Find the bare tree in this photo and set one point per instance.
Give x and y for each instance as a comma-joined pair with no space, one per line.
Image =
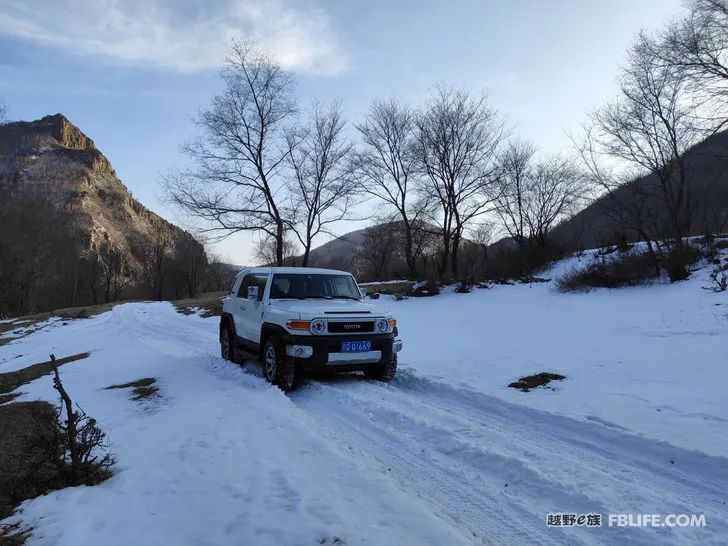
696,46
322,187
378,247
266,249
3,111
457,140
651,126
554,193
516,178
92,273
236,183
158,261
387,168
115,271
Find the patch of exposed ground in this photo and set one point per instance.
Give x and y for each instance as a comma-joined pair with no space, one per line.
528,382
206,305
141,388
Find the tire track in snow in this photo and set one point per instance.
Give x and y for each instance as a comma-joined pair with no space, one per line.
456,448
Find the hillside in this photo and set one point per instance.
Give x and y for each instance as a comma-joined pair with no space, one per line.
58,190
707,168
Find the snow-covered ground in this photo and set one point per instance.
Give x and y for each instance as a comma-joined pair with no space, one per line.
446,454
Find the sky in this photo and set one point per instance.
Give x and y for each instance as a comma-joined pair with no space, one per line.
133,73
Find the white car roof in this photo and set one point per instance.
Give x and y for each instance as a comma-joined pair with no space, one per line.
295,270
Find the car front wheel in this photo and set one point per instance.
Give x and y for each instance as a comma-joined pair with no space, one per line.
227,345
383,372
278,367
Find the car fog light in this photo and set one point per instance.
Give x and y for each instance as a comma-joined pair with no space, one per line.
299,351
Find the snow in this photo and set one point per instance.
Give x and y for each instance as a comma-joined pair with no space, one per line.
446,454
649,359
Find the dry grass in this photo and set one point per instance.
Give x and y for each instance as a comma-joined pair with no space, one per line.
141,388
209,303
12,380
26,471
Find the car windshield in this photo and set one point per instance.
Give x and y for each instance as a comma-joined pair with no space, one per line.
302,286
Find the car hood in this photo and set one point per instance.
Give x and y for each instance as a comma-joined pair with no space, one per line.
329,308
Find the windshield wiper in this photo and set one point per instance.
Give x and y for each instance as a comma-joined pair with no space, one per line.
344,297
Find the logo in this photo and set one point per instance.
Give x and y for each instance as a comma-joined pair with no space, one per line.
352,326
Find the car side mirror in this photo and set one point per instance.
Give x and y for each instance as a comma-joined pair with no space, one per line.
253,293
363,292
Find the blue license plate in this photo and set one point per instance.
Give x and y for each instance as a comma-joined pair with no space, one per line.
356,346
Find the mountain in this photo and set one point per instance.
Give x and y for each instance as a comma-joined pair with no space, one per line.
60,198
53,157
340,252
707,169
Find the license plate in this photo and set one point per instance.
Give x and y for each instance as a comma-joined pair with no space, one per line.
356,346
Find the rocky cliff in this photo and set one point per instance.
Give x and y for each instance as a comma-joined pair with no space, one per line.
52,159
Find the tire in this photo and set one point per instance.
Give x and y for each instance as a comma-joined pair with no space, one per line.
278,368
227,345
383,372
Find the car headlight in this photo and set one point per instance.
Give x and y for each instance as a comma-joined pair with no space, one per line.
318,326
382,325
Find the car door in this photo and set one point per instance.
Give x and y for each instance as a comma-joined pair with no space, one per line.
248,312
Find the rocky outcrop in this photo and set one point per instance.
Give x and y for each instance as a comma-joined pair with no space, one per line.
51,158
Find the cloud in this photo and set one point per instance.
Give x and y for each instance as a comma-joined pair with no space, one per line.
186,36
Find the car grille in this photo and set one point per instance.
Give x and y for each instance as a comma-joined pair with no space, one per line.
353,327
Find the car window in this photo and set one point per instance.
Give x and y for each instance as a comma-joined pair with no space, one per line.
299,285
254,279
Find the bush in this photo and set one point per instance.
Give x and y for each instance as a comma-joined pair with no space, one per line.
677,261
626,270
464,287
719,279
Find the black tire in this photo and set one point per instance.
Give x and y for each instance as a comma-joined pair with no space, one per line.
278,368
228,350
383,372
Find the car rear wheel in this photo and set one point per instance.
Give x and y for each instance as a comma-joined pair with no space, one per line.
383,372
278,368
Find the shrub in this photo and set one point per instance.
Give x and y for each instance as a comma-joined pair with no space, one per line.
677,261
463,287
626,270
719,279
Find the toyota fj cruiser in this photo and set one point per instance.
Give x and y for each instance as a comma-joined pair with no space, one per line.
296,319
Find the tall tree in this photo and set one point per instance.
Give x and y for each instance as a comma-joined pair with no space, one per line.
516,177
321,187
386,165
696,46
647,130
235,182
457,141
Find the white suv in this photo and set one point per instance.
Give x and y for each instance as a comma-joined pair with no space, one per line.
296,319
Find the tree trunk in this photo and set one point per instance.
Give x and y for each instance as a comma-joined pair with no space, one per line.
454,255
411,266
279,244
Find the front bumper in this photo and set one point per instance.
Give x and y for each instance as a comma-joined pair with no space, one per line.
324,352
